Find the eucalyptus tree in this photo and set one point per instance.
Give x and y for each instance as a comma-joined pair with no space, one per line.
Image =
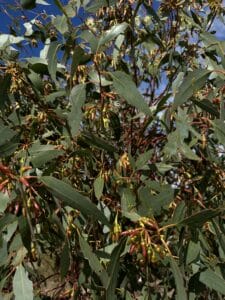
112,150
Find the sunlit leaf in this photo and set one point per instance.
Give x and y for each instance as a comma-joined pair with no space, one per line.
22,285
127,89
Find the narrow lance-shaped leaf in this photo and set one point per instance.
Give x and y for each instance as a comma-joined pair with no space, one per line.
180,287
191,84
127,89
98,186
74,199
93,261
22,285
113,269
112,33
77,99
213,281
52,59
65,260
201,217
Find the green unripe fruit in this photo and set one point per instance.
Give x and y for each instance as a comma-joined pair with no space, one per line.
28,4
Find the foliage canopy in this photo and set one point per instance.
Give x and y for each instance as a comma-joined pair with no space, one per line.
112,141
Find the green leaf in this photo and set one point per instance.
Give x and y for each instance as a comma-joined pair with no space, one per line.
191,84
98,186
52,59
198,219
162,167
179,281
74,199
4,200
22,285
127,89
65,260
213,281
8,39
93,261
77,99
95,141
154,198
113,270
212,43
193,251
79,57
7,219
60,22
90,38
143,159
128,201
112,33
219,130
41,154
92,7
206,105
5,82
25,232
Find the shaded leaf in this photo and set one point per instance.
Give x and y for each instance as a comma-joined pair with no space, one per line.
179,281
198,219
25,232
41,154
74,199
95,141
152,200
93,261
213,281
65,260
113,270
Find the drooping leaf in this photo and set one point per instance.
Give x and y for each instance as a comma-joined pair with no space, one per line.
69,196
127,89
93,261
53,59
25,232
113,270
77,99
179,281
22,285
65,260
